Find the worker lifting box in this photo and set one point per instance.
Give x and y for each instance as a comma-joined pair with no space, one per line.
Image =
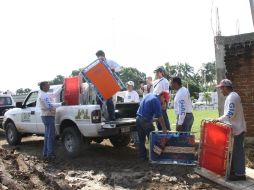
106,82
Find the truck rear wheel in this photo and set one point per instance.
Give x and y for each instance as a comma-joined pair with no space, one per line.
120,140
72,141
13,137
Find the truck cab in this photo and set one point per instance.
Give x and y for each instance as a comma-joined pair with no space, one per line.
77,125
6,103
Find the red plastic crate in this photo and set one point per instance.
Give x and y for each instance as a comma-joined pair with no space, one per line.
103,80
215,145
72,90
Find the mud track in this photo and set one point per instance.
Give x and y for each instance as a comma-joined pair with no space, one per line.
99,167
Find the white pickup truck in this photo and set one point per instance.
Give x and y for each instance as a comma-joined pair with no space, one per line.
77,125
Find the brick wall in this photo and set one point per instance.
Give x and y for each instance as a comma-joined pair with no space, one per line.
239,62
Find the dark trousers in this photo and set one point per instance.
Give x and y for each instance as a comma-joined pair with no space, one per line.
166,120
187,123
110,108
144,128
238,157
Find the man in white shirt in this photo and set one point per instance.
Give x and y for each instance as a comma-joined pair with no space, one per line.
161,85
48,110
182,106
114,68
233,114
130,94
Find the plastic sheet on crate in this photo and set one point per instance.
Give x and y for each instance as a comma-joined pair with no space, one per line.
172,148
103,80
214,147
72,90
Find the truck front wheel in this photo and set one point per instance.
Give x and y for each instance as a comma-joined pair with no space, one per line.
13,137
120,140
72,141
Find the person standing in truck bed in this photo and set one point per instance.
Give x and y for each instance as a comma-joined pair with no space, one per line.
114,68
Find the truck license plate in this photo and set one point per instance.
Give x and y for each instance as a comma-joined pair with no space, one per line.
125,129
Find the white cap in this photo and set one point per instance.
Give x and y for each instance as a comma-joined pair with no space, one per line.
131,83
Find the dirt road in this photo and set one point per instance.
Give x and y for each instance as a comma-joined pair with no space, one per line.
99,167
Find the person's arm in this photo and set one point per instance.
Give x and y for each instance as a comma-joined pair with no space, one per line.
136,98
162,123
45,100
181,111
115,67
229,111
56,93
158,114
166,85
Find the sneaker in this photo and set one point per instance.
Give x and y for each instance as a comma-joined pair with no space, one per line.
237,178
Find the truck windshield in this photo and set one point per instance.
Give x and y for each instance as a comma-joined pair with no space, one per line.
5,101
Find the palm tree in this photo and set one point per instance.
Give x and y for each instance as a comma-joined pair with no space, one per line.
207,97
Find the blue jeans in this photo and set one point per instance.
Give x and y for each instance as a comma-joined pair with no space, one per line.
238,157
166,120
49,136
144,128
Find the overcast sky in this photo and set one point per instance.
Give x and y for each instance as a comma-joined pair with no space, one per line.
40,39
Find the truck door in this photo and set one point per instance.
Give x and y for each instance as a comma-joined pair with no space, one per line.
27,116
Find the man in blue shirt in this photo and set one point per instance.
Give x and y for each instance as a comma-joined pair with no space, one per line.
150,107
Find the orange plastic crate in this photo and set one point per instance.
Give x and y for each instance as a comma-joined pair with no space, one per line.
72,90
103,80
215,145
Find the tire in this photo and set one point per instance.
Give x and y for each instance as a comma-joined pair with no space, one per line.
72,141
13,137
120,140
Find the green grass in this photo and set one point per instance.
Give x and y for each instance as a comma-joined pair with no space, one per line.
199,115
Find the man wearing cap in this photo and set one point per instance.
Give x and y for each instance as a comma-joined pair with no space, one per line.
150,108
160,85
233,114
182,106
130,95
114,68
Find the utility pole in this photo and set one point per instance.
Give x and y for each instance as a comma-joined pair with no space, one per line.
252,10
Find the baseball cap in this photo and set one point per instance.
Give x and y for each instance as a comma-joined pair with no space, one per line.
224,82
131,83
159,69
166,95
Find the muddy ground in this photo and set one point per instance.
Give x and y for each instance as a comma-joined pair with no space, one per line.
99,167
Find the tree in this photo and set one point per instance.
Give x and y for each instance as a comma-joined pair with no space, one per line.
75,72
59,79
23,91
207,97
129,73
27,90
186,72
20,91
208,74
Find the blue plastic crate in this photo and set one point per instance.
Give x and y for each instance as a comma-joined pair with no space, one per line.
179,149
